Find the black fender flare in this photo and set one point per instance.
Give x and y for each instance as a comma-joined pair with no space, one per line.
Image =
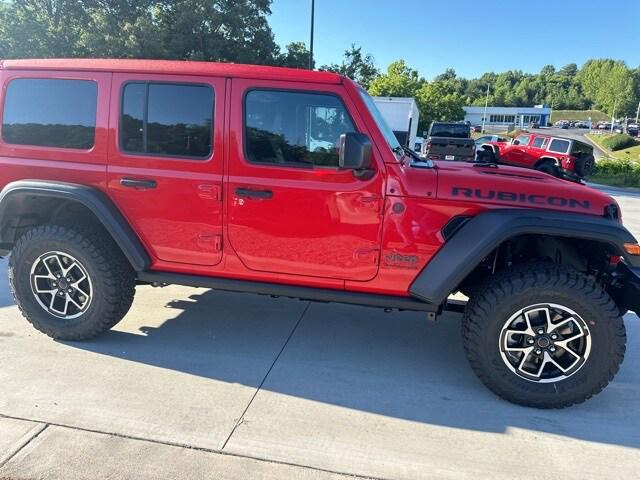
480,235
92,198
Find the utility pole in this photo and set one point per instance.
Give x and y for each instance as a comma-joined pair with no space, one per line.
313,11
613,117
486,105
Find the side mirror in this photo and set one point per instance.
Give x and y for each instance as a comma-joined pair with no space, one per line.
354,152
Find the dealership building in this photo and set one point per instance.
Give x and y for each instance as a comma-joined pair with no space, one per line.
520,116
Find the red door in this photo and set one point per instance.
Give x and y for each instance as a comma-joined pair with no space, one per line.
518,154
166,163
290,208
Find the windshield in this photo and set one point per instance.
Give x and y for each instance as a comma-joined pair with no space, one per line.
380,121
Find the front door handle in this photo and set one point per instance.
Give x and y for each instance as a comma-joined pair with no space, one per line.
138,183
247,192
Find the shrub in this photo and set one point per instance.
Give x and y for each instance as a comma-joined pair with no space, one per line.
619,142
623,172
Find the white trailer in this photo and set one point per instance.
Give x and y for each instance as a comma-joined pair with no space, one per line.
402,115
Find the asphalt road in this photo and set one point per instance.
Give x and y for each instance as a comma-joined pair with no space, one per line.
275,388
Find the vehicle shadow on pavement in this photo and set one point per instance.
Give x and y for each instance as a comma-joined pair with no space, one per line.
393,364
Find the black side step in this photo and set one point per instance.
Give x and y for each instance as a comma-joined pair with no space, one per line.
292,291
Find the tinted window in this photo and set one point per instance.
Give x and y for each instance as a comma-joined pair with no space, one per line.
165,119
580,148
450,130
539,142
294,128
559,146
50,113
522,140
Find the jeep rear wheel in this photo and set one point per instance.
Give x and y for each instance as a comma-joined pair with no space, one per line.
70,284
544,336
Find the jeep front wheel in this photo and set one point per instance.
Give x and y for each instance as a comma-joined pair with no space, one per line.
70,284
544,336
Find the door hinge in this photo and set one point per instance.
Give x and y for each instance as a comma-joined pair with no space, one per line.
210,192
206,240
366,255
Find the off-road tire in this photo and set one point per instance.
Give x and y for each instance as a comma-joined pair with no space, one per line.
540,283
548,166
111,274
585,165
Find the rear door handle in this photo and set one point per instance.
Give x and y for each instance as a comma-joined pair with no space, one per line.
247,192
138,183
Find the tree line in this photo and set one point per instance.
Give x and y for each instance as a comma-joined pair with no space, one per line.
239,31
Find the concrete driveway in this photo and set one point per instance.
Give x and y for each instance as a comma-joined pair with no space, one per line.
257,387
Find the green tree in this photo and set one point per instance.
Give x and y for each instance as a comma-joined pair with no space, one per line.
437,102
296,56
356,66
398,81
221,30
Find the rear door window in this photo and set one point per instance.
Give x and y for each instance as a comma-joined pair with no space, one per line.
294,128
539,142
162,119
50,113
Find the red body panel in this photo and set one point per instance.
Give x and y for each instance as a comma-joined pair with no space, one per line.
529,156
323,227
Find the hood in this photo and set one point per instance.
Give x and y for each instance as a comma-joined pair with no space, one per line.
501,186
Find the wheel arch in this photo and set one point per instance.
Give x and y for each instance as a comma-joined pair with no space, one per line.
482,235
545,160
28,203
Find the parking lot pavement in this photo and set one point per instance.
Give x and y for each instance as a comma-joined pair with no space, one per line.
269,386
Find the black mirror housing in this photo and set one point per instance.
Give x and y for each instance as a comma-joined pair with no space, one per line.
354,151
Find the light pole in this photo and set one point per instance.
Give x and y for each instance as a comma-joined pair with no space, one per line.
486,105
313,11
613,117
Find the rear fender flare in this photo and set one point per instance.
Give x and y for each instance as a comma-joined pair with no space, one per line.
97,202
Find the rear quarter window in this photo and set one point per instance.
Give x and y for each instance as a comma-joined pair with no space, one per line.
558,145
50,113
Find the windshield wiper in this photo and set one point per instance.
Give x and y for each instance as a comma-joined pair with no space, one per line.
404,150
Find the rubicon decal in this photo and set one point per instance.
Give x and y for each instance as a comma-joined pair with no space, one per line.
524,198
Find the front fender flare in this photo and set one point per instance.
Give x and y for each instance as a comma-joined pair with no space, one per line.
93,199
478,237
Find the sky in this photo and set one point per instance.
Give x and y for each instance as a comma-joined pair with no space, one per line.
471,37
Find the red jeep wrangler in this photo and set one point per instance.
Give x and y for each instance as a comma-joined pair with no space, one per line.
558,156
289,182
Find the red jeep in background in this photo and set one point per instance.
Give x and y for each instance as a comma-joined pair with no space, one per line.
556,156
119,173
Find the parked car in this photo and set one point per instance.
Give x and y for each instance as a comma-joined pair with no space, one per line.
285,182
558,156
450,141
485,139
633,130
